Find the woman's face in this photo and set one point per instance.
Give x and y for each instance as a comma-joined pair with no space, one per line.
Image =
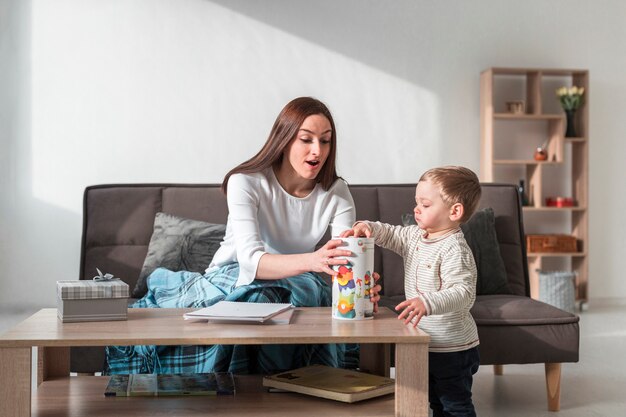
308,151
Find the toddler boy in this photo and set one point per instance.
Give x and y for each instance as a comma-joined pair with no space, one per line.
439,281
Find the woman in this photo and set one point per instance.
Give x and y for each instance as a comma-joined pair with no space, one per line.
280,202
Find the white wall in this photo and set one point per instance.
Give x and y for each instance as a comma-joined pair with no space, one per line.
96,91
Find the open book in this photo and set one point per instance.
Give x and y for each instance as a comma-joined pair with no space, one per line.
332,383
243,312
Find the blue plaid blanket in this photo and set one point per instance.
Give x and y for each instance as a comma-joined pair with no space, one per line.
167,289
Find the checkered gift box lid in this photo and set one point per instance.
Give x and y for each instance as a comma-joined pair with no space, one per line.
88,289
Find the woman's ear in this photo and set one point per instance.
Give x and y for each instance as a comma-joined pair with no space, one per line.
456,212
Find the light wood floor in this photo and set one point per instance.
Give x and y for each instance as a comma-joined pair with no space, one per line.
596,386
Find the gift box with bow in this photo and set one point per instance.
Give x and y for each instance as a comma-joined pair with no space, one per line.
101,299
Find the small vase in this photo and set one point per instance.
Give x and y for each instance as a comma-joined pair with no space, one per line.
540,154
570,132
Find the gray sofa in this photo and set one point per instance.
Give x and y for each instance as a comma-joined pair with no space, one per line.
513,328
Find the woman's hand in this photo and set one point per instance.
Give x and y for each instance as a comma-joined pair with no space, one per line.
374,292
358,230
412,308
324,258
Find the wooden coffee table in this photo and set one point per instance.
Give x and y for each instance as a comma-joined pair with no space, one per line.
57,393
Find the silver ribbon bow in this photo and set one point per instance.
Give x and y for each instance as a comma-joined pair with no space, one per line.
104,277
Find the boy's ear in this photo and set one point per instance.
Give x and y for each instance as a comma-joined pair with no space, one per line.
456,212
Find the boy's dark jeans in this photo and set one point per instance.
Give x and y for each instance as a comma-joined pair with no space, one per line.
450,382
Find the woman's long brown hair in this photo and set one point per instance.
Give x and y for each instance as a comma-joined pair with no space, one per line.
285,129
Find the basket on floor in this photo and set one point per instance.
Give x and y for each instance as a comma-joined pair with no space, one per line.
558,288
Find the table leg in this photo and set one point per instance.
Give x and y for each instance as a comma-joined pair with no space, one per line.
52,362
375,358
411,379
15,381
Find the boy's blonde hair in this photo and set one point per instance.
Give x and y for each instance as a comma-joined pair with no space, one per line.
458,185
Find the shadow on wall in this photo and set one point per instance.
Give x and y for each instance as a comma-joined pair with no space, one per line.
37,239
42,239
382,35
435,48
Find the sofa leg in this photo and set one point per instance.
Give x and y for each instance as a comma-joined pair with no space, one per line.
498,369
553,385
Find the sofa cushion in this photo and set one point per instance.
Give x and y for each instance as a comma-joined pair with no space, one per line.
506,204
518,329
179,244
515,310
480,234
505,310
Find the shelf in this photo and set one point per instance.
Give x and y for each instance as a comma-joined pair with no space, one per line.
545,208
523,162
84,395
554,254
544,71
512,116
564,72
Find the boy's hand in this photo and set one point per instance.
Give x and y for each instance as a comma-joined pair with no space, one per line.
358,230
412,308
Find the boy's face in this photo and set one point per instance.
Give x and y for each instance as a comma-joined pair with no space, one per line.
431,213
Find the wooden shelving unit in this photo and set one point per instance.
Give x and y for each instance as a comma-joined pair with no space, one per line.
508,142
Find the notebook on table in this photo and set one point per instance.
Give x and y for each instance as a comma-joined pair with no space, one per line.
244,312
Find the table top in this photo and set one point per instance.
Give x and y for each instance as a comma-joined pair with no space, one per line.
166,326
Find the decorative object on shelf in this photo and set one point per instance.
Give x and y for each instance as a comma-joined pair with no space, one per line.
570,131
521,188
559,202
540,153
551,244
515,107
571,99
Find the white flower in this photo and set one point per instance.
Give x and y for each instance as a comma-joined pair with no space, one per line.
571,98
